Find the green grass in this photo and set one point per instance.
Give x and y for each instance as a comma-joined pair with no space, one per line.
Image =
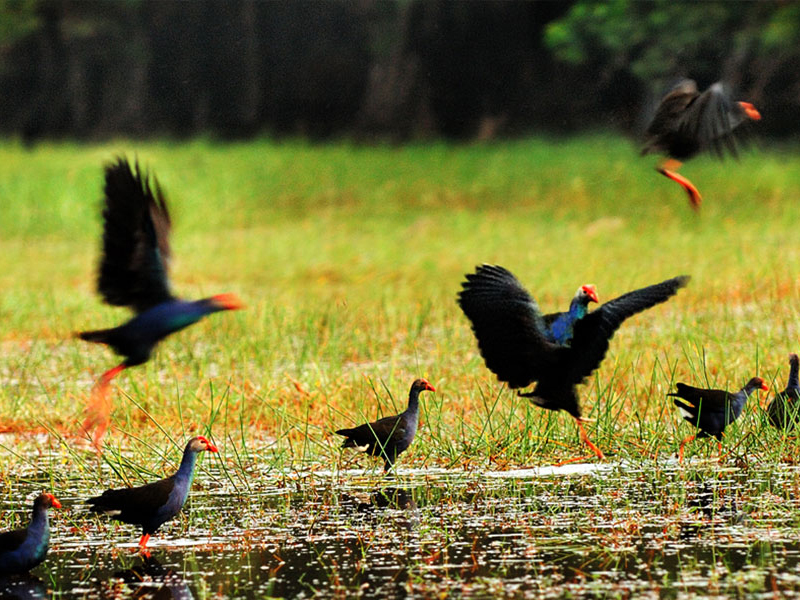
349,258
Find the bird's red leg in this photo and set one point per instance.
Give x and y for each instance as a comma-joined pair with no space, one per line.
694,195
685,441
143,545
587,441
97,414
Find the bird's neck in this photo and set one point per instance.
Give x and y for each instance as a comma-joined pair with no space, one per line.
413,403
794,375
40,526
186,469
561,329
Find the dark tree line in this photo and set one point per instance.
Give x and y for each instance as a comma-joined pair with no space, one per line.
372,68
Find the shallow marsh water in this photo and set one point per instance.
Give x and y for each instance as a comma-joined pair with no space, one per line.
607,530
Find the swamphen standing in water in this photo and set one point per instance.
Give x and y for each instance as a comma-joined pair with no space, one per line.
687,122
711,411
23,549
782,410
390,436
521,346
153,504
133,273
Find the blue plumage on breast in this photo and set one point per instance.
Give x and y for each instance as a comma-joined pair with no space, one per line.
31,551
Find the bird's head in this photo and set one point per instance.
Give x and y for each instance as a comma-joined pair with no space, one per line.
756,383
200,444
226,302
793,360
586,293
422,385
45,500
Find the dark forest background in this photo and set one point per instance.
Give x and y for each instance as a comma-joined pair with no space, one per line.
371,69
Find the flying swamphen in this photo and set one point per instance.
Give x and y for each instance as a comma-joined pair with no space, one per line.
390,436
153,504
782,410
519,345
23,549
133,273
687,122
711,411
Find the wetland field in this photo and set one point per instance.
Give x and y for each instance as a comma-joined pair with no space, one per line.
349,259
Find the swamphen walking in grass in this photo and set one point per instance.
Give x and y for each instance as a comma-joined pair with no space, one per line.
687,122
390,436
521,346
711,411
23,549
133,273
783,409
153,504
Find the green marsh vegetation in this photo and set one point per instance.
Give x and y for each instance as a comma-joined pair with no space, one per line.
349,258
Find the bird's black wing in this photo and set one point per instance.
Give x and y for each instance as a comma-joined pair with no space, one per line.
379,430
11,540
508,326
700,398
592,333
134,505
133,267
711,119
669,112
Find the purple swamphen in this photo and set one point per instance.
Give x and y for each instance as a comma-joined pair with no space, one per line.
133,272
23,549
153,504
711,411
388,437
687,122
518,343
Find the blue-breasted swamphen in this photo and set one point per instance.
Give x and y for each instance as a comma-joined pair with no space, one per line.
516,340
388,437
687,122
153,504
559,326
783,409
133,273
23,549
711,411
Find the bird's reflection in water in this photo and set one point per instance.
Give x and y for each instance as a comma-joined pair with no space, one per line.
151,579
392,497
22,587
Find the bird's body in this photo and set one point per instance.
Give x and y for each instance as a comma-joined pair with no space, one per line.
133,272
518,346
389,437
688,122
783,409
711,411
153,504
23,549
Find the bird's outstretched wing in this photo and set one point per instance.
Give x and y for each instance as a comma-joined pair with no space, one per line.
593,332
508,326
133,267
711,119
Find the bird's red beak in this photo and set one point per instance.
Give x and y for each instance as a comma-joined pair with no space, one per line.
429,387
750,111
764,385
54,501
591,291
211,447
228,301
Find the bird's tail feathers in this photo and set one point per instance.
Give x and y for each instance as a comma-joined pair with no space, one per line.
98,336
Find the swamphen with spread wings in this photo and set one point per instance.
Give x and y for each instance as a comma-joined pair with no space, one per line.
520,346
23,549
711,411
390,436
783,409
687,122
153,504
133,273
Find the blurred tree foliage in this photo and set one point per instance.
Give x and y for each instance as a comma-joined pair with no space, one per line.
372,68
